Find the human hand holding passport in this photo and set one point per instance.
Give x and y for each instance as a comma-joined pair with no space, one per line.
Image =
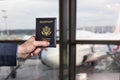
46,30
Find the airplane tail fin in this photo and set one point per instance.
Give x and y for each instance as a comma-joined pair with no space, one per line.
117,28
116,48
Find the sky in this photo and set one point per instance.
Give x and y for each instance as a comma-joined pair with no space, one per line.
97,12
21,14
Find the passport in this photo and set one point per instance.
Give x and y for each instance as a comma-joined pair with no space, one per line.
46,30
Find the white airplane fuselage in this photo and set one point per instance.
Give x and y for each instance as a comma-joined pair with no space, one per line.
51,56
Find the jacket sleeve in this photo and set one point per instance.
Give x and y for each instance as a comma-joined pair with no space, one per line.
8,53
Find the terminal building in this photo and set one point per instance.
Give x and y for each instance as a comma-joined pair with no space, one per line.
98,29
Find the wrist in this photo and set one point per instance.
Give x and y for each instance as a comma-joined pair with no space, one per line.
20,51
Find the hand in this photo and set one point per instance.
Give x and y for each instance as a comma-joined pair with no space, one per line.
30,48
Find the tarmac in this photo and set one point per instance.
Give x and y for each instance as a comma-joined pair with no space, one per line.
31,70
35,70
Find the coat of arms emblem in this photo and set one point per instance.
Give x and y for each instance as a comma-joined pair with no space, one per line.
46,31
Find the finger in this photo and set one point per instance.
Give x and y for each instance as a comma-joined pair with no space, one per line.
37,51
41,43
32,54
32,38
27,56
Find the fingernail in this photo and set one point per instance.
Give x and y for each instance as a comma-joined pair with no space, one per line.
48,43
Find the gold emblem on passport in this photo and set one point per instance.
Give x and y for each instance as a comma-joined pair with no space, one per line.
46,31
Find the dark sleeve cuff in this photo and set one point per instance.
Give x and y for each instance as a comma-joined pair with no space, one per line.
8,54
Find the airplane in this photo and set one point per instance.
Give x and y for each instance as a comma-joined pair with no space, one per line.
93,52
51,57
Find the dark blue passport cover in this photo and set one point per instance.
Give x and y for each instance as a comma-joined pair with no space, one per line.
46,30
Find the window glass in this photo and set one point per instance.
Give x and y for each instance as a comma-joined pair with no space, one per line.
98,17
18,17
97,20
18,22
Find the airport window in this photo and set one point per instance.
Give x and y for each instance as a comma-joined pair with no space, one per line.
97,50
17,24
92,19
17,17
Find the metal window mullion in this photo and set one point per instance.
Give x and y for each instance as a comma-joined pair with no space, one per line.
63,24
72,37
115,42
